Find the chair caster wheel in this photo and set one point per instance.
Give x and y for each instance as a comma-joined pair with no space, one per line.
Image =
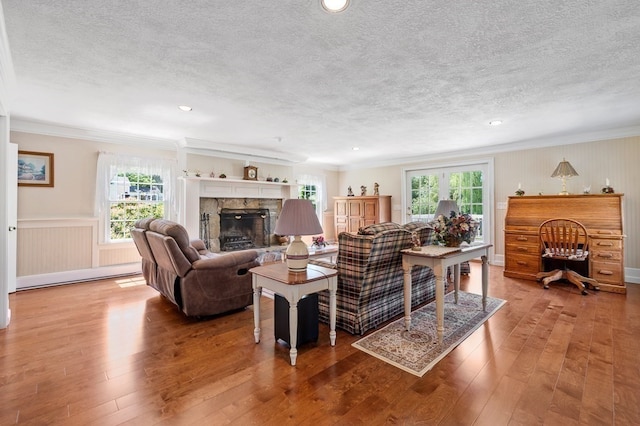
584,292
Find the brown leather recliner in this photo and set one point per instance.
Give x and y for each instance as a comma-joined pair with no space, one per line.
199,282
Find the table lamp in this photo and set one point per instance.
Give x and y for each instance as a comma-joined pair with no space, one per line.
297,218
563,171
445,207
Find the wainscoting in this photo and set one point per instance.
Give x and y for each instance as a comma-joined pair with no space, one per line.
61,250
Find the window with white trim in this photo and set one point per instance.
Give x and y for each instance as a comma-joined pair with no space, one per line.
131,188
312,188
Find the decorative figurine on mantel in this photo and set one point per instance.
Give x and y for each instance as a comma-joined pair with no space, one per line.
363,190
349,192
212,175
520,191
607,188
376,189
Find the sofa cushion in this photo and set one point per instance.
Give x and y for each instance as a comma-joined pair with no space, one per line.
377,228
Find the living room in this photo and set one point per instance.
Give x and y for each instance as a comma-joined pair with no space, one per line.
88,342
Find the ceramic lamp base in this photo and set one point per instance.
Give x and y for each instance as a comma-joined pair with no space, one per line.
297,255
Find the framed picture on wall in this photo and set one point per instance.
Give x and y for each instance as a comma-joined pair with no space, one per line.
35,168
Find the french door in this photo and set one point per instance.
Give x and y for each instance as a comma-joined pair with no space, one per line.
466,184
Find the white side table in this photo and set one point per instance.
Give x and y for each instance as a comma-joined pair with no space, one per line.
439,259
292,286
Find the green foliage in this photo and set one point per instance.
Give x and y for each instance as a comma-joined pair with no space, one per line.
125,213
424,194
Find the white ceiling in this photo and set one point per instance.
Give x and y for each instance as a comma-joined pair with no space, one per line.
397,78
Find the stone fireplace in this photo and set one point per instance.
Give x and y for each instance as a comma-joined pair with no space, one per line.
203,200
230,224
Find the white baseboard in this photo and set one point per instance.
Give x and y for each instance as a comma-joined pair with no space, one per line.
66,277
632,275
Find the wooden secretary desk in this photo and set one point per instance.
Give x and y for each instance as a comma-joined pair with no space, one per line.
601,214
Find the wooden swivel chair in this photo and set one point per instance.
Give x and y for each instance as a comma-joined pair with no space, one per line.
564,242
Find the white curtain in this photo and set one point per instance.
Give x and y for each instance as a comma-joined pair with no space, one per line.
320,183
110,164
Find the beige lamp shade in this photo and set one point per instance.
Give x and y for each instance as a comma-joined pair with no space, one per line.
297,218
563,171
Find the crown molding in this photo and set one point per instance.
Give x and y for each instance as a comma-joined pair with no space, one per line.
542,142
49,129
216,149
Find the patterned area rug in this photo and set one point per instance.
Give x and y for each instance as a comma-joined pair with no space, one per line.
418,350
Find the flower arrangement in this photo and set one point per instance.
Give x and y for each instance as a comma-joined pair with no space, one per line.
453,230
318,241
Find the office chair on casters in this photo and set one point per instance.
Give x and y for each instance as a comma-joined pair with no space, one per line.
564,242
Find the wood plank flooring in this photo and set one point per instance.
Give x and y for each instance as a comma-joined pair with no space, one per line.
115,352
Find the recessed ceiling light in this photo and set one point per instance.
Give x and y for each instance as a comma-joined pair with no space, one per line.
185,107
355,148
334,6
495,122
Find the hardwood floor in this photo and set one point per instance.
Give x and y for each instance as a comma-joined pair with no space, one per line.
114,352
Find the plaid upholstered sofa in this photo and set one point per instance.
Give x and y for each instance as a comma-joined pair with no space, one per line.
370,276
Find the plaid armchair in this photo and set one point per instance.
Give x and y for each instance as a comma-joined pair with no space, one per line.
370,278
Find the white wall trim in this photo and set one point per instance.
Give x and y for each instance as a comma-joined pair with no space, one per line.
557,140
632,275
80,275
57,130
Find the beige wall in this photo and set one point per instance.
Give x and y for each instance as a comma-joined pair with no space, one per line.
75,168
57,219
594,161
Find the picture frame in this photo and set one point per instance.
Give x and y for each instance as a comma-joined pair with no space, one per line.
35,169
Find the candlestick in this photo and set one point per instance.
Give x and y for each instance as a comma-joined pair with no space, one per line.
607,182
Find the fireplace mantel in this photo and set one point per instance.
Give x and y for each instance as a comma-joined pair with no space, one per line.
194,188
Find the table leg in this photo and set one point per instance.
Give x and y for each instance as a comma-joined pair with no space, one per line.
293,330
485,281
406,267
332,316
257,291
456,281
441,282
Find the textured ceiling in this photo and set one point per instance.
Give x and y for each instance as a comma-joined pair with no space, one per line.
397,78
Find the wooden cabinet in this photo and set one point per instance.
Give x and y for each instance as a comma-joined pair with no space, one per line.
352,213
601,214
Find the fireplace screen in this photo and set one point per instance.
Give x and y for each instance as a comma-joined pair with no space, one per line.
244,229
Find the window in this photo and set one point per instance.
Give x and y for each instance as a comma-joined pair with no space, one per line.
465,184
311,188
128,189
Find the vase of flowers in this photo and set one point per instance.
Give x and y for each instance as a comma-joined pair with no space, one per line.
454,230
318,242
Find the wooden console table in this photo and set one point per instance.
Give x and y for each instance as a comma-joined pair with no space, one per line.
601,214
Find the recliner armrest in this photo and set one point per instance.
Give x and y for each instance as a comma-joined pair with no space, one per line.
226,260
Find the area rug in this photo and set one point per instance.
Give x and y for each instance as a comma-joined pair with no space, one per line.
417,351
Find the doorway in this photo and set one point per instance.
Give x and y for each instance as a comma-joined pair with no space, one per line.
468,184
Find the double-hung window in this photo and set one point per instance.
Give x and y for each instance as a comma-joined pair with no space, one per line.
312,189
130,188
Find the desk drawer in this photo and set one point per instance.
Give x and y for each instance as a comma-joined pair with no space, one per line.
606,272
526,264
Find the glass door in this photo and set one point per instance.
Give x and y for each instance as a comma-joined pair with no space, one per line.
465,184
